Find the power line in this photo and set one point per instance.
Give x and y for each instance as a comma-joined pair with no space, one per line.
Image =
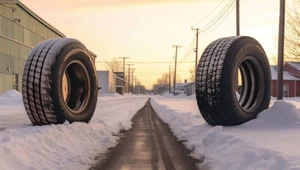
155,73
186,39
220,17
209,14
203,20
204,33
187,58
191,48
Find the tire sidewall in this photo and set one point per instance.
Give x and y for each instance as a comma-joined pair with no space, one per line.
234,57
73,51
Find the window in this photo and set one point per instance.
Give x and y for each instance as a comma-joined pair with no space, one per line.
15,81
285,92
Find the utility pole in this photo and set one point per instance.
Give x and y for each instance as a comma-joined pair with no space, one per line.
280,50
174,83
138,87
237,17
124,58
196,61
128,86
169,79
132,71
135,91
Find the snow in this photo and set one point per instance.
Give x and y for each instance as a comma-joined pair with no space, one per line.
10,97
295,65
286,75
269,142
67,146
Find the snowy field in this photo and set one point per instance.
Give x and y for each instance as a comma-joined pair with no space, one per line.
270,142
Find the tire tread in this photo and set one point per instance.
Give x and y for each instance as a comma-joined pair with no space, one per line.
208,80
32,87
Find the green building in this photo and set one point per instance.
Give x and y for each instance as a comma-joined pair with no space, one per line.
20,30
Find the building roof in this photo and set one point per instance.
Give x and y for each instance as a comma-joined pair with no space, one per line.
184,84
181,84
296,65
34,15
121,79
109,72
286,75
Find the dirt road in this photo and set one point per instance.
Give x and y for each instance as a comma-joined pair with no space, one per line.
149,145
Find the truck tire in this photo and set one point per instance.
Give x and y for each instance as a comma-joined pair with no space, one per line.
59,83
216,81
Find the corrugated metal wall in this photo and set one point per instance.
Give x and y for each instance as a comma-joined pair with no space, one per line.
19,33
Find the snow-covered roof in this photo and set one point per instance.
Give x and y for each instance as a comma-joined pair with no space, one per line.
183,84
286,75
296,65
120,78
187,84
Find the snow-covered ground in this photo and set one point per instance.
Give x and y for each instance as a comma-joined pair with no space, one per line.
68,146
270,142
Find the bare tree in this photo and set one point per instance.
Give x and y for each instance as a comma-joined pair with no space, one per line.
164,79
162,84
114,65
292,37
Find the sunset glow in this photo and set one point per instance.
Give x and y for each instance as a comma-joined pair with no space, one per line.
146,30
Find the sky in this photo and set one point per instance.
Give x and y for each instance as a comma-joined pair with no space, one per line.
146,30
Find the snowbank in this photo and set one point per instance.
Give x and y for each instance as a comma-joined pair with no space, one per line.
54,147
182,94
67,146
11,97
268,142
281,113
110,95
168,95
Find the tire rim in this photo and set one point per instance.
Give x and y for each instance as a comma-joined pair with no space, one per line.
66,86
76,86
249,94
